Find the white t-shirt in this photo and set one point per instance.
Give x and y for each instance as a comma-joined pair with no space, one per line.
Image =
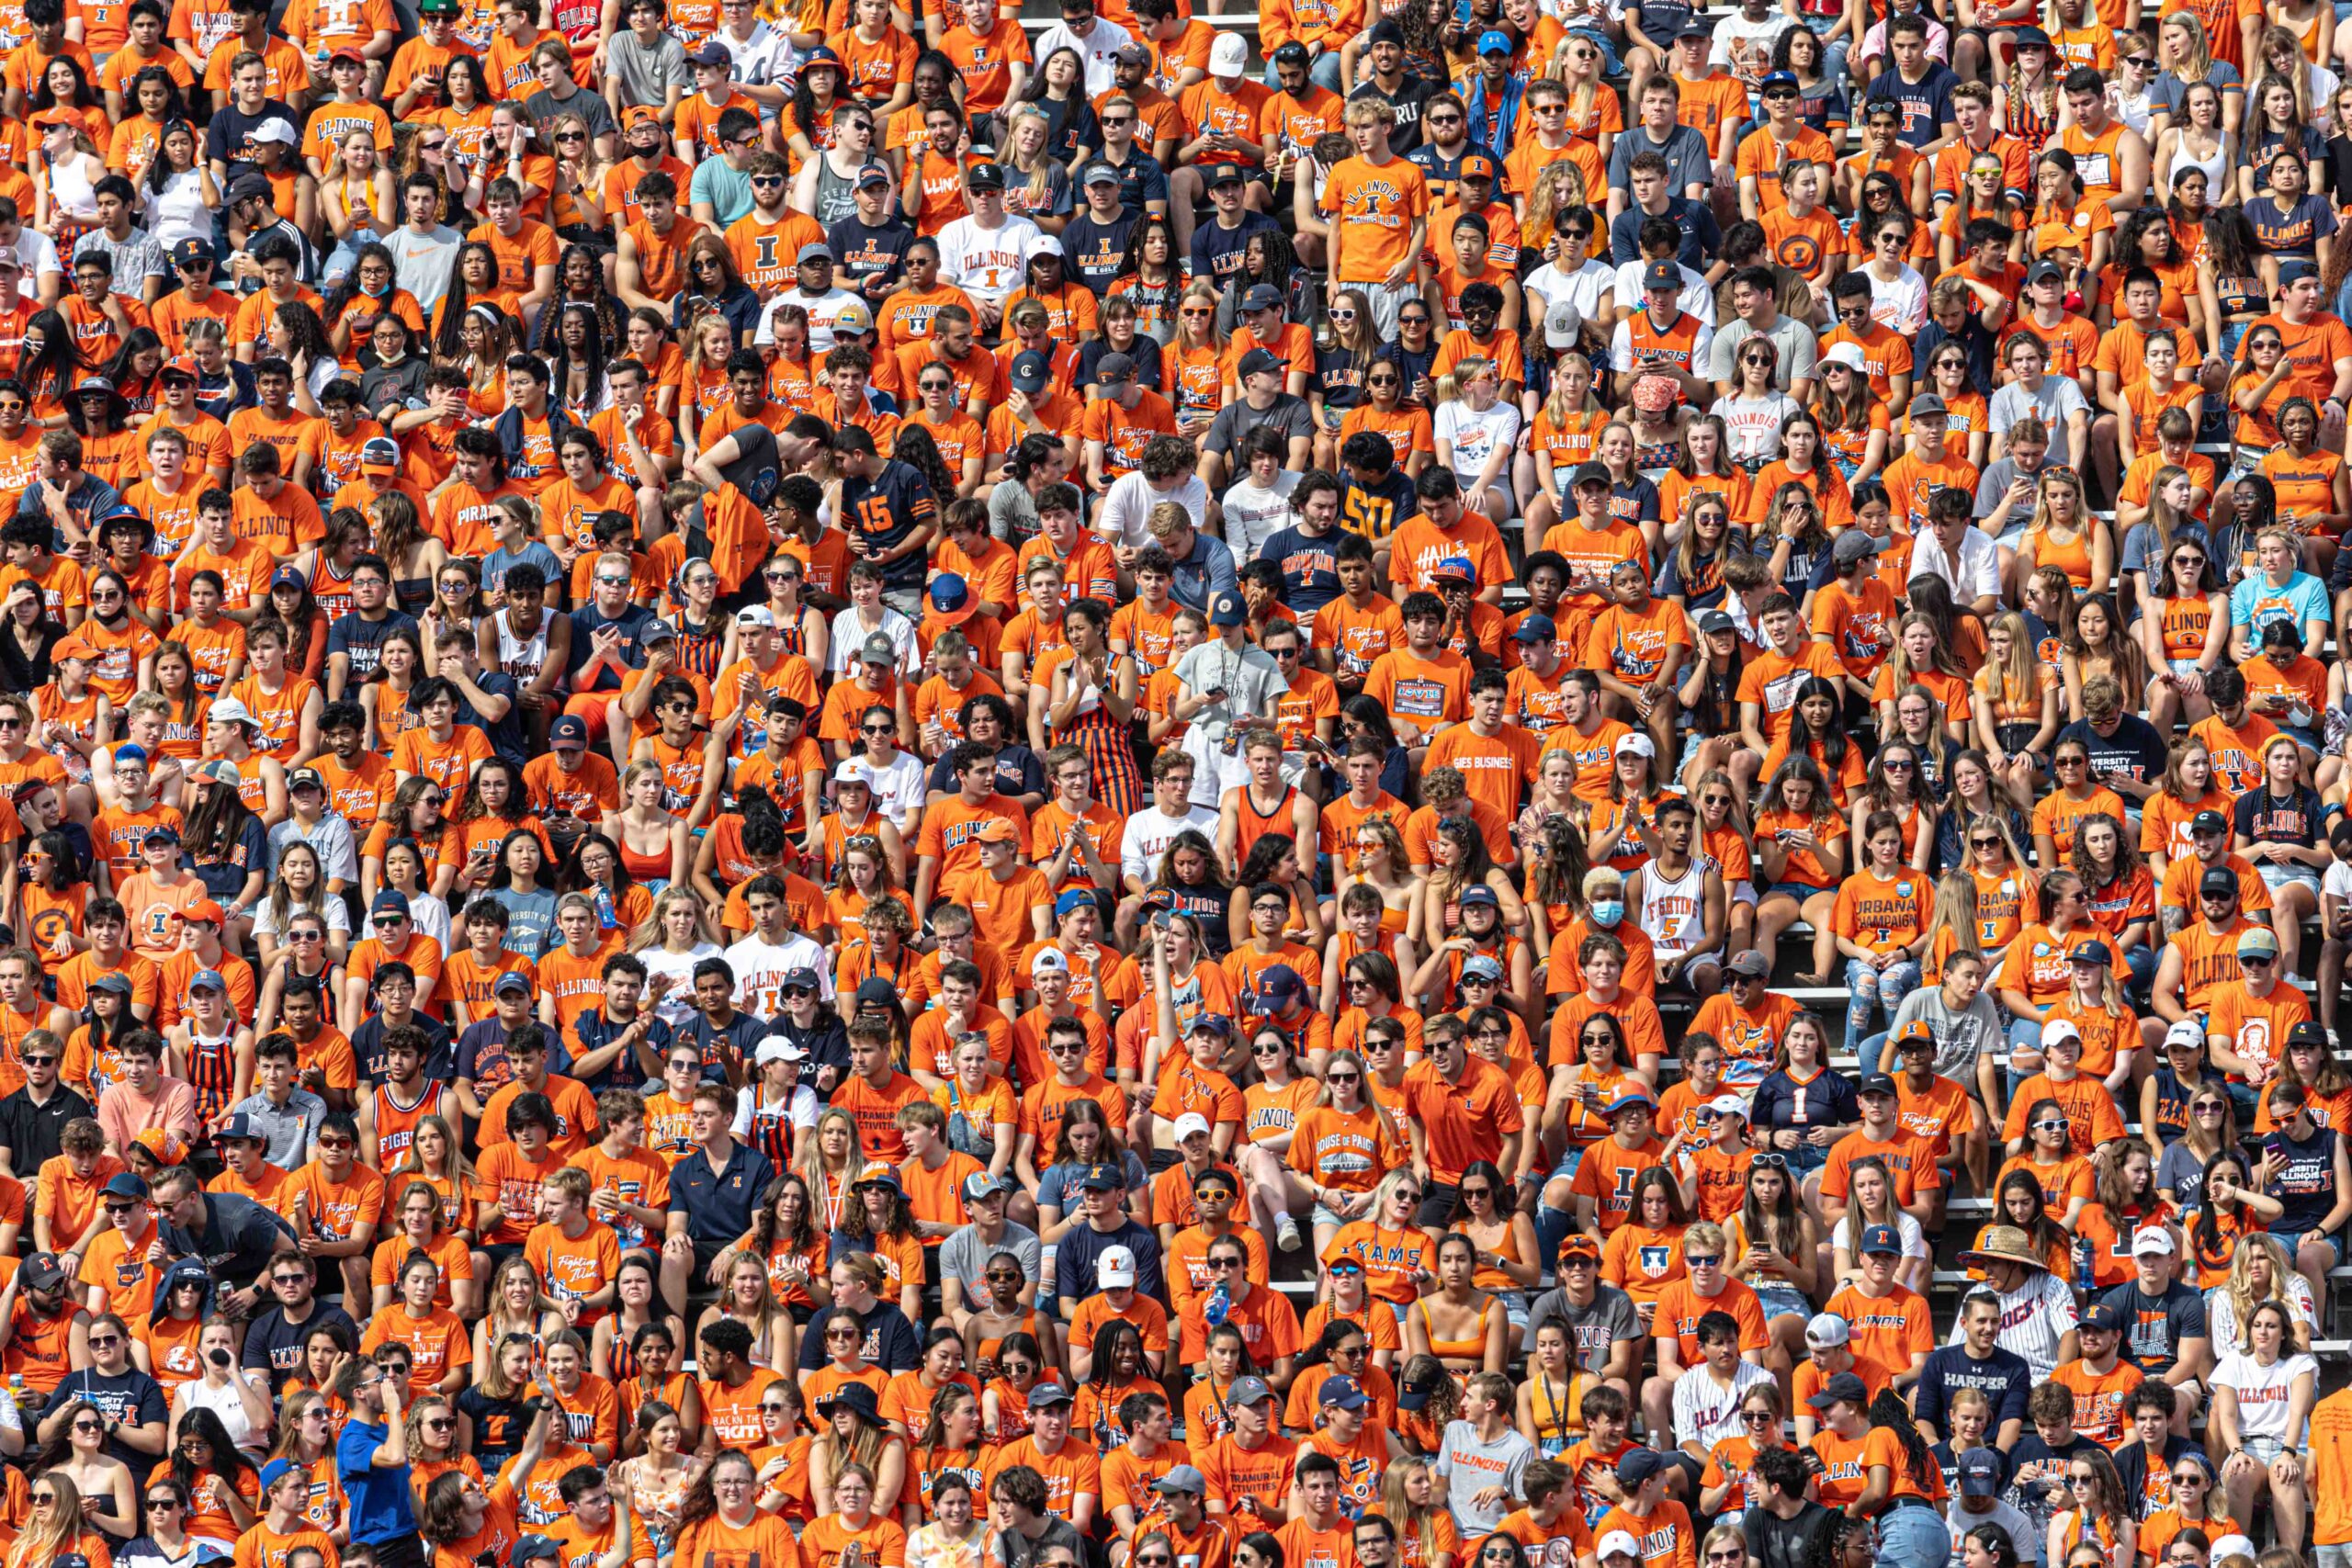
1901,304
898,788
1130,499
1151,830
1253,515
676,1006
1915,1241
2264,1394
987,263
2221,1315
1477,437
800,1108
1584,288
760,968
1752,425
850,632
1753,41
823,310
1697,296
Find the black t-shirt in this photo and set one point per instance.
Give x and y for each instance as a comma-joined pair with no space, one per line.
1407,100
1144,351
30,1133
272,1342
825,1043
891,1343
1776,1542
2135,750
227,139
1095,254
2154,1326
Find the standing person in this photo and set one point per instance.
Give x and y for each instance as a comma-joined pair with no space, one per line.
1377,205
371,1457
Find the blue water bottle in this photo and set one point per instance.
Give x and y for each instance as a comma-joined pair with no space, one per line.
1220,1305
2084,1278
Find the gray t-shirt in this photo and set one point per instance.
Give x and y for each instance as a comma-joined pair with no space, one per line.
1998,475
1791,338
1250,679
135,260
1594,1329
1014,1550
1685,152
1013,513
420,263
543,107
1470,1465
1959,1036
288,1129
964,1257
646,76
1236,420
2060,396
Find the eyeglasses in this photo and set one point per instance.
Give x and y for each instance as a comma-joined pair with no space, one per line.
338,1143
1702,1259
2050,1125
2211,1108
1753,1416
174,1502
571,136
100,1341
441,1424
1221,1264
1475,1191
89,1426
1114,121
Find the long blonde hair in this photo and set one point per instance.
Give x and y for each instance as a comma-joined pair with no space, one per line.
1954,910
1039,175
39,1544
1411,1518
2263,76
1199,292
2240,1290
1559,187
649,933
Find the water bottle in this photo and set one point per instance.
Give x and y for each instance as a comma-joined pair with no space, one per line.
604,915
1220,1306
16,1391
2084,1277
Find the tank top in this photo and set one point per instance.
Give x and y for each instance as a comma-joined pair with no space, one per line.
396,1123
1255,824
521,659
2212,168
1674,913
71,189
329,588
212,1072
2241,297
836,194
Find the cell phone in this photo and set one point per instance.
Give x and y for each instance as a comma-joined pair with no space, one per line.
1161,920
2274,1151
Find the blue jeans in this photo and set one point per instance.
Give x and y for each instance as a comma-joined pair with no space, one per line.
1872,1048
2141,961
1323,71
1913,1538
1832,62
1868,986
1609,64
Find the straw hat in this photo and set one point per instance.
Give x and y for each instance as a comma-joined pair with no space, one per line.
2004,1243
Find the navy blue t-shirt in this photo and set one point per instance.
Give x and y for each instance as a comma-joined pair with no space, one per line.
1095,254
362,640
1926,103
1217,251
586,622
1310,567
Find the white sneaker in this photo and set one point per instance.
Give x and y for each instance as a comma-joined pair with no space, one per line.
1286,1234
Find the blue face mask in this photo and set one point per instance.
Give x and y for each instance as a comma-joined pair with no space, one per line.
1607,912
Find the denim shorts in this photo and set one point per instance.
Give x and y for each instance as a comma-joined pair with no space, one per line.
1800,891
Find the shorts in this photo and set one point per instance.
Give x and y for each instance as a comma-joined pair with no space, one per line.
2276,877
2293,1241
1514,1305
1439,1204
1800,891
1782,1301
2266,1450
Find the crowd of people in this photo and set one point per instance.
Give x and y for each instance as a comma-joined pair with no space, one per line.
824,788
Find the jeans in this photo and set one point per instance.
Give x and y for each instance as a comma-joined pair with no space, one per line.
2141,961
1323,71
1832,62
1868,986
1870,1049
1913,1538
1609,63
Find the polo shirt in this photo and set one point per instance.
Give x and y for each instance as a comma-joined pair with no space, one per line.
718,1205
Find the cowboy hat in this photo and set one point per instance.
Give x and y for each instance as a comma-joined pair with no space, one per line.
2004,1243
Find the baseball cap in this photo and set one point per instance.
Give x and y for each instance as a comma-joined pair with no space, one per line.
1113,367
776,1048
229,710
1189,1122
570,729
1263,297
1115,1268
274,129
1103,1179
1882,1239
985,176
1853,545
815,249
1980,1473
1617,1543
1845,1388
1562,323
2057,1032
1662,275
1632,1099
2209,822
1826,1331
1257,362
1477,894
853,317
2092,951
1728,1105
1184,1478
1100,173
2102,1316
1537,628
2045,272
1229,56
1476,166
1227,610
277,1470
1926,405
378,455
1637,1465
206,980
388,901
1877,1083
712,53
2218,882
1750,963
126,1185
1636,743
1590,473
1245,1390
1495,41
1032,371
2258,943
2152,1241
1343,1392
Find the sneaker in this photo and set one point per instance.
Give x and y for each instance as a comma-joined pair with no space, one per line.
1286,1234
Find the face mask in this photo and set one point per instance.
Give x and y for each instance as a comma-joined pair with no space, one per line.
1607,912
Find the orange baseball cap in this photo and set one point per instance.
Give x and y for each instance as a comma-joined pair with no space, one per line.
167,1147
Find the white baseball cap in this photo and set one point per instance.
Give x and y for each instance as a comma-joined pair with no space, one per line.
1229,56
1615,1542
1189,1122
2057,1030
1115,1268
